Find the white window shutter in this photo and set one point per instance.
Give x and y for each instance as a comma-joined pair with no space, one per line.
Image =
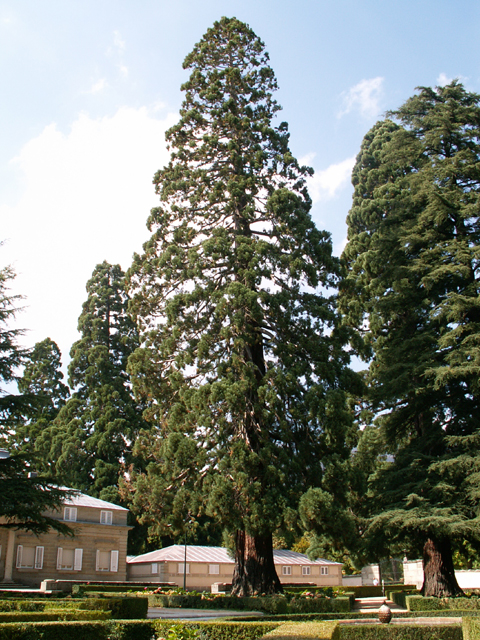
39,551
59,557
77,564
97,567
19,555
114,561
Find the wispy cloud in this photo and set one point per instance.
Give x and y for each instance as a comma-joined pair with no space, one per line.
443,79
118,41
326,184
123,70
98,86
364,97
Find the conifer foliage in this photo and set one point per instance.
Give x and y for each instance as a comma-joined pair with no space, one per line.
413,292
92,436
42,383
241,361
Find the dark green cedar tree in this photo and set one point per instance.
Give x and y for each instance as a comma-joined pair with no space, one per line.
24,497
93,434
412,291
241,359
12,355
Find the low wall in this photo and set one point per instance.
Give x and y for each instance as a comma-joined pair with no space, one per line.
413,574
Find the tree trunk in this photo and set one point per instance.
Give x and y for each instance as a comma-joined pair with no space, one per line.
438,573
254,571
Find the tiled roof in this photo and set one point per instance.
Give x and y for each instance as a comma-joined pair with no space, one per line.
79,499
217,555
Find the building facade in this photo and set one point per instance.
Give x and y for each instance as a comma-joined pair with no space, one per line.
97,551
206,566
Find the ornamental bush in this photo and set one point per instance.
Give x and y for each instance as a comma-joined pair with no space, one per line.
398,632
305,630
419,603
471,628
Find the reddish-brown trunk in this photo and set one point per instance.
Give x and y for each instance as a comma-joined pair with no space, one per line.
438,573
254,571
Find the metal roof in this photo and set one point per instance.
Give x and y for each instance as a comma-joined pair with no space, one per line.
78,499
218,555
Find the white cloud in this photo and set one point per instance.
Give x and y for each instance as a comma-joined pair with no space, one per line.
325,184
443,80
364,97
98,86
118,41
86,197
123,70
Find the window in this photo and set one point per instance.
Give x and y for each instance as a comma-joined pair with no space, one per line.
154,567
214,569
105,517
107,560
324,571
287,571
305,571
180,567
70,514
69,559
29,557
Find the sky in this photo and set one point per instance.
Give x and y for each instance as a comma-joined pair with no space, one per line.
89,88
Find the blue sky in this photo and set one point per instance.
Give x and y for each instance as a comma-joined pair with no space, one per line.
89,87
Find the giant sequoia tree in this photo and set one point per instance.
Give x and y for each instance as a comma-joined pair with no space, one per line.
241,360
413,292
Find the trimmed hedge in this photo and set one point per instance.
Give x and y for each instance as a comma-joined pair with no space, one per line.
296,631
128,608
398,632
272,604
221,629
419,603
471,628
129,630
118,587
121,630
354,615
59,614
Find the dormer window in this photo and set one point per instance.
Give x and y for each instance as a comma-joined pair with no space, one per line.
105,517
70,514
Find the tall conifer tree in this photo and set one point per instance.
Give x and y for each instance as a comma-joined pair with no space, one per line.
93,435
41,382
241,360
413,291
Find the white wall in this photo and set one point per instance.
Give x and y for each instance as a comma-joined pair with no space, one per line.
413,574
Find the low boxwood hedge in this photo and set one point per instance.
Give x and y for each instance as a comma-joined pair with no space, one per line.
130,608
271,604
307,630
117,587
471,628
130,630
420,603
58,614
398,632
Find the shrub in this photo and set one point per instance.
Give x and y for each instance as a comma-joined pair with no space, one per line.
471,628
59,614
220,630
398,632
319,605
419,603
298,631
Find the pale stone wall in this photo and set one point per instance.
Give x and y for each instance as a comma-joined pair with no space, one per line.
89,535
